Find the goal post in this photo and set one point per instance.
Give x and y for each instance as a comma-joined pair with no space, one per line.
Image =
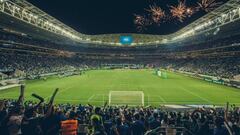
131,98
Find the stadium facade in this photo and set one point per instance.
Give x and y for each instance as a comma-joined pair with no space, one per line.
23,14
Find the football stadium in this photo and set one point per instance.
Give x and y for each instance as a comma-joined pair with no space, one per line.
139,67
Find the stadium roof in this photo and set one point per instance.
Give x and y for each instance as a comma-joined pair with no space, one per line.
23,11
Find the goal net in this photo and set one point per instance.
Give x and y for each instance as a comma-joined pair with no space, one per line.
131,98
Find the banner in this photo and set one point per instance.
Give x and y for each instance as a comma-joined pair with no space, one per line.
69,127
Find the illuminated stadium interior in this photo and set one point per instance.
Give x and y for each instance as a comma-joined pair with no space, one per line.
139,67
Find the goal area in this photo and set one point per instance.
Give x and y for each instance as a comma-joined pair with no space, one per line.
131,98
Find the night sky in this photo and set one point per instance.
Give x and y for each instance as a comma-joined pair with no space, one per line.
110,16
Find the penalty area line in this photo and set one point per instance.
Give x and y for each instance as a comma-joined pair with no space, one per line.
90,98
61,91
196,95
163,100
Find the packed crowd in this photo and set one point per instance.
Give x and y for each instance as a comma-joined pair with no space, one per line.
39,64
218,67
38,118
35,65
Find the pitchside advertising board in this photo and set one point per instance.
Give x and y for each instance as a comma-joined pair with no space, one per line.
126,40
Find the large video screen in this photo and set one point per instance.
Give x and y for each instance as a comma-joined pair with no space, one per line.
126,40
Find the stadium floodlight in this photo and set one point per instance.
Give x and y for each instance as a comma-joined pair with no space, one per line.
131,98
164,40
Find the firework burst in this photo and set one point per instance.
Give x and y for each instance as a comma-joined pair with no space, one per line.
141,22
179,11
208,5
190,11
157,14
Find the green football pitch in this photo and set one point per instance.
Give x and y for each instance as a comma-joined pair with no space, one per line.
94,87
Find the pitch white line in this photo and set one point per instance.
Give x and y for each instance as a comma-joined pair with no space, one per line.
194,94
77,100
61,91
9,86
183,102
163,100
98,101
90,98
